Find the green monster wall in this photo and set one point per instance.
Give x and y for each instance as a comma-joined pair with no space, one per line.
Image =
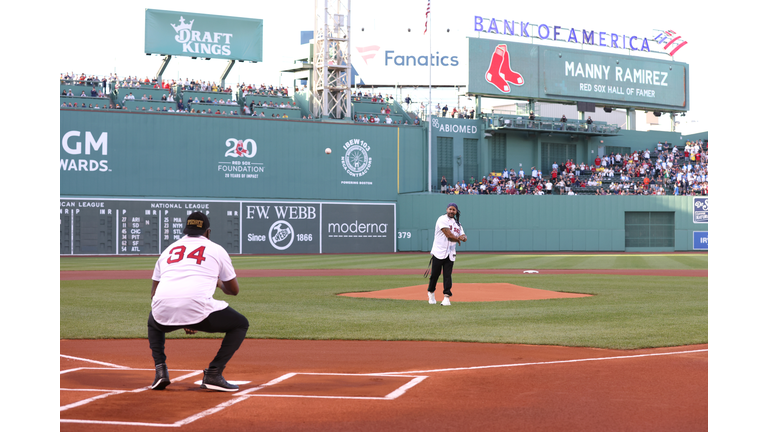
113,154
126,159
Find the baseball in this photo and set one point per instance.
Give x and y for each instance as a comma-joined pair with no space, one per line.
328,151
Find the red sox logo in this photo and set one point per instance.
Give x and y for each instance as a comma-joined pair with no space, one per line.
239,149
499,72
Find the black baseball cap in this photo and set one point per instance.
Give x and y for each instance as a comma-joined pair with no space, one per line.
197,224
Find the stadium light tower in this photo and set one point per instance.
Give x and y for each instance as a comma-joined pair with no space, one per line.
332,62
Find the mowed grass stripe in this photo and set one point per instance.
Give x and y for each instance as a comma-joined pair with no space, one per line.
417,261
625,312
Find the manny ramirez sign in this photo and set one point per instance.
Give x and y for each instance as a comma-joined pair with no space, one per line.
500,68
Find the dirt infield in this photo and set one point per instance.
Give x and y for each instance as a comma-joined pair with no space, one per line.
292,385
385,386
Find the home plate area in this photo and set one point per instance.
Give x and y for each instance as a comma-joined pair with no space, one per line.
101,395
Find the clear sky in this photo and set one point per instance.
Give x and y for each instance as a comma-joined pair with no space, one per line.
116,41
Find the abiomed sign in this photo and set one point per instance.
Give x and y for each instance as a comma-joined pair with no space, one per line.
201,35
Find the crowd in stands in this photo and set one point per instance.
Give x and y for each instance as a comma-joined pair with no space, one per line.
667,170
204,86
130,87
371,118
71,78
92,93
270,104
455,112
263,90
373,96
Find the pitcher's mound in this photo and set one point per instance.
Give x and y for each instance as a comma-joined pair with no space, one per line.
468,292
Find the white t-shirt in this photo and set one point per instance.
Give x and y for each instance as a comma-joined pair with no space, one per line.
188,271
441,246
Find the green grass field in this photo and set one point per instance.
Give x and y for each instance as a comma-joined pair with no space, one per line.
626,311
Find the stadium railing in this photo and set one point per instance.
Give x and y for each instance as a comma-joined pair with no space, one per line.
511,121
132,105
382,117
79,100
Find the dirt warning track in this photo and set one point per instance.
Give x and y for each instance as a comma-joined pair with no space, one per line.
147,274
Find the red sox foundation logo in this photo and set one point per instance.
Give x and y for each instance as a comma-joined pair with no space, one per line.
499,73
241,148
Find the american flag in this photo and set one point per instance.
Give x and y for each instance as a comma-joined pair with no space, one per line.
675,42
427,15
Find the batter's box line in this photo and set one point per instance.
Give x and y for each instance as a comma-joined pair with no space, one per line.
94,361
391,396
108,392
244,395
179,423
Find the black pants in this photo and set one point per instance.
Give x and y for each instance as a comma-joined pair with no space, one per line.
446,267
228,321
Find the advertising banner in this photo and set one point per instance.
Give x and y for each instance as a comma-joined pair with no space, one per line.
525,71
356,228
201,35
281,228
380,60
701,210
701,240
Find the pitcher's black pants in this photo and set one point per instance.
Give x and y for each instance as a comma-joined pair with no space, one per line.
446,267
228,321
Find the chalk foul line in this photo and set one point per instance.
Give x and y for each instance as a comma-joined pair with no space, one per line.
543,363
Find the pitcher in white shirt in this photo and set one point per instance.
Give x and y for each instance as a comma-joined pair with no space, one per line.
186,275
448,234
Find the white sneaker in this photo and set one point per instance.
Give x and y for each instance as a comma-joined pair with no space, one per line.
432,298
446,301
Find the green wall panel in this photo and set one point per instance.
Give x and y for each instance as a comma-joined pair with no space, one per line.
566,240
183,155
546,223
579,240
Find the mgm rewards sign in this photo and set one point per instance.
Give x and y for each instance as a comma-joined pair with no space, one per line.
200,35
545,73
